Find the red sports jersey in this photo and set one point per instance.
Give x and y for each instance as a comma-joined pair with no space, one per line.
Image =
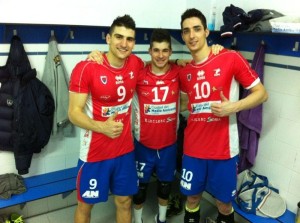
155,106
208,136
109,90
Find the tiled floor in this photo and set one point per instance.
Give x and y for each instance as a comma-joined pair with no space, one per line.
105,212
101,213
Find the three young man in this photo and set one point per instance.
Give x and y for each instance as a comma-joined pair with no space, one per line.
100,101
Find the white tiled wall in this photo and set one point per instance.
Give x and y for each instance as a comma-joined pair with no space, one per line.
279,148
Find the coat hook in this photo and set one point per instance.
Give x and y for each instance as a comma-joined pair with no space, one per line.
72,34
145,36
103,35
52,32
296,47
233,44
15,32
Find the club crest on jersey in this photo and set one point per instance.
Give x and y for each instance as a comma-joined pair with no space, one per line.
145,82
103,79
189,77
119,79
200,75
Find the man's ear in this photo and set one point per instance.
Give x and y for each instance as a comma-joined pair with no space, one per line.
107,38
207,33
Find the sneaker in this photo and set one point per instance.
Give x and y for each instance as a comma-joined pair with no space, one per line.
175,206
156,218
16,218
209,220
170,207
4,219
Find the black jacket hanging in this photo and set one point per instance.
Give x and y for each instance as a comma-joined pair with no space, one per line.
26,108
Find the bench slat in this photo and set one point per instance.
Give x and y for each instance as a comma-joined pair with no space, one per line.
252,217
44,185
50,177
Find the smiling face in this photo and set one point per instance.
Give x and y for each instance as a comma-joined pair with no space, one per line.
160,53
194,34
121,42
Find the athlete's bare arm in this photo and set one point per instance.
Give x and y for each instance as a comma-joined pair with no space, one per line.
110,127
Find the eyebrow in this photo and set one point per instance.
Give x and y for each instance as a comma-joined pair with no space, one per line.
127,37
197,26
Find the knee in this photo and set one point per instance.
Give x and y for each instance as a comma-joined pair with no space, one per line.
224,208
140,197
164,190
84,209
123,202
193,200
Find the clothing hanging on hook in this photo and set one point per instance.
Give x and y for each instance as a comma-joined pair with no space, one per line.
250,121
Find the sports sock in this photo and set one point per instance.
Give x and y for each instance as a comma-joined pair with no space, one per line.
162,210
138,215
192,215
226,218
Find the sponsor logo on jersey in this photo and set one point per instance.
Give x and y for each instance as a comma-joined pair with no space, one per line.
145,93
155,121
216,88
119,79
131,75
200,75
140,174
164,109
169,119
105,97
217,72
90,194
160,82
185,185
103,79
121,109
203,107
213,119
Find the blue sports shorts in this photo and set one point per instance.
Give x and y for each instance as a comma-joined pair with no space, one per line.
217,177
96,179
149,161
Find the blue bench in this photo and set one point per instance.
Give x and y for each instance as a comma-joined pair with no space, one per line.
44,185
287,217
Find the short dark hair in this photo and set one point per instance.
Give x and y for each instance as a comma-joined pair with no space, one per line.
125,21
189,13
160,35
